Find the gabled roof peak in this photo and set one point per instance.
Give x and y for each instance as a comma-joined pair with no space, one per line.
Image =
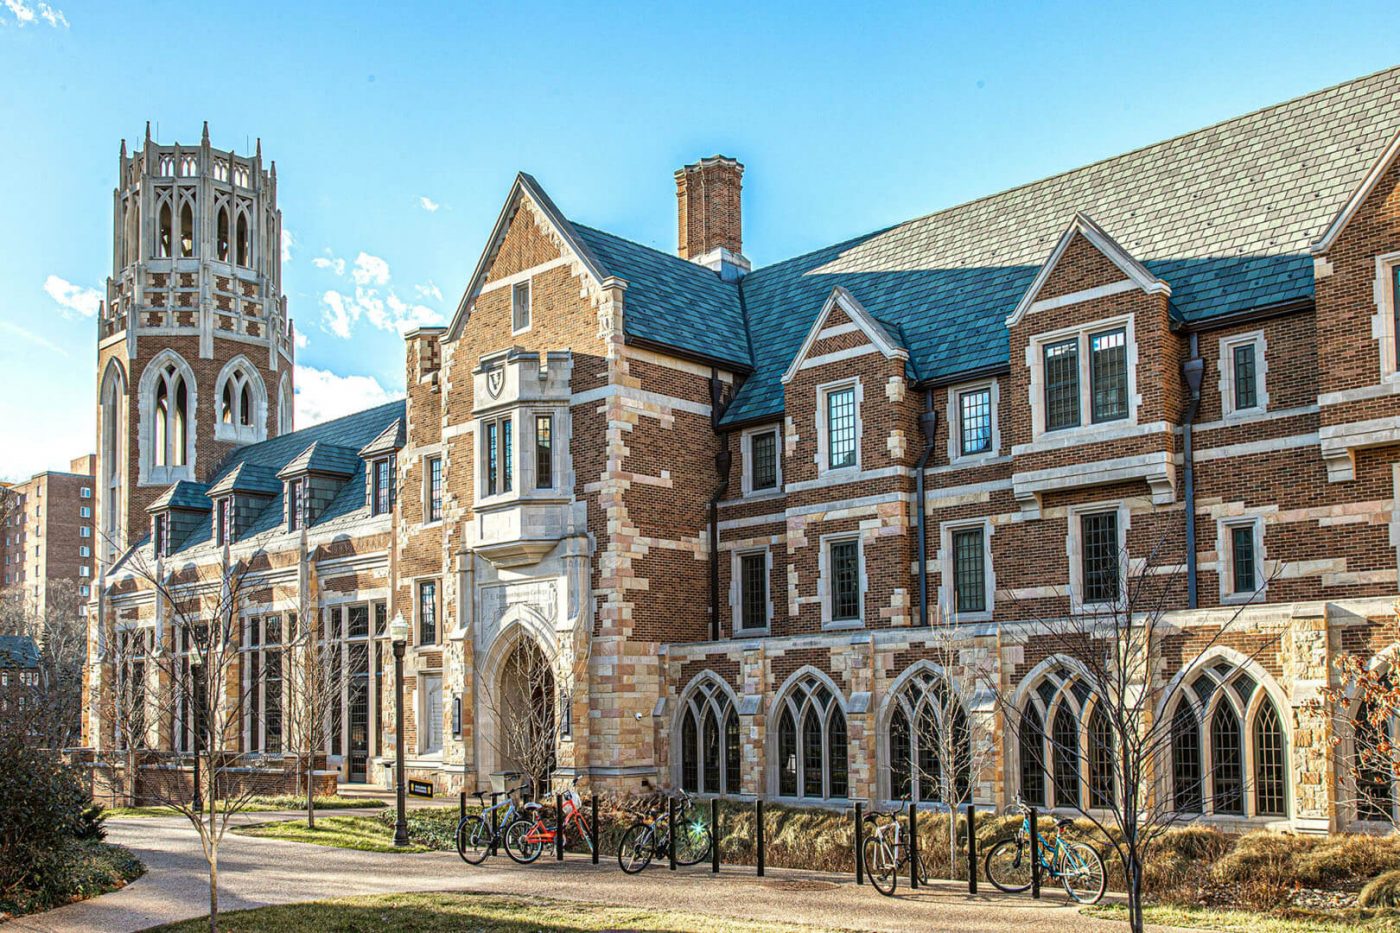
888,344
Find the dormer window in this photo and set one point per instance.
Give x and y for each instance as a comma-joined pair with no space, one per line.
296,505
1083,377
223,521
382,491
160,534
520,307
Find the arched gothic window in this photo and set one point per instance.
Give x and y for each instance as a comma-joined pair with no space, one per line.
1372,734
243,250
172,404
286,418
165,165
812,756
1229,747
189,166
187,229
168,396
1070,764
113,454
709,740
929,743
240,398
221,242
165,240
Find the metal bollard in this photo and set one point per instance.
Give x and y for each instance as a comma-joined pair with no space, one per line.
971,849
758,832
913,846
714,835
593,827
671,831
860,843
461,806
1035,857
559,827
495,825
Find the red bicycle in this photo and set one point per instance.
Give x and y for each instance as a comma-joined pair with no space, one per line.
528,835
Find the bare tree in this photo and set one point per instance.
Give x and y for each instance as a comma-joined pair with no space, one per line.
52,713
1108,653
126,709
314,684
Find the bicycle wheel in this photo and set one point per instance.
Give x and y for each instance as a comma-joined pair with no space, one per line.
519,846
693,841
635,850
881,867
473,840
1008,866
923,871
1082,873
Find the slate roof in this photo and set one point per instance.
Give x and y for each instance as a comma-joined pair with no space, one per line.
183,495
247,478
391,438
18,651
322,457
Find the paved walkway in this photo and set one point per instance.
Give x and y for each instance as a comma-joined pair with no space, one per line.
255,872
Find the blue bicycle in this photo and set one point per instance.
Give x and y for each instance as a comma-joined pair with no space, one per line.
478,834
1076,865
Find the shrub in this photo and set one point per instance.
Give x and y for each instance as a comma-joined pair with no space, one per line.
92,823
1347,859
1383,891
1262,857
41,807
75,869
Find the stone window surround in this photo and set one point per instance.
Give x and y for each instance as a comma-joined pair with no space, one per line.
1383,321
736,589
420,704
428,456
947,598
256,430
1256,338
823,442
746,458
1074,549
1086,430
415,634
1225,557
528,291
955,454
824,579
522,418
151,473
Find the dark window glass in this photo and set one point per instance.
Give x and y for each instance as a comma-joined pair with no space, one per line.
690,769
1031,736
812,753
435,489
1064,748
520,306
787,755
157,536
731,752
1246,377
1375,784
381,486
1227,772
930,766
427,612
764,451
1099,541
975,421
1242,558
1270,771
901,767
295,515
358,625
1395,303
969,571
1186,760
1062,384
845,580
710,752
493,469
1101,783
272,696
836,754
841,428
544,452
1108,378
754,590
507,454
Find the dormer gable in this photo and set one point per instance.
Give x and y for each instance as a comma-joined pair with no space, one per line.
238,498
313,479
1358,198
1104,258
176,514
381,467
851,315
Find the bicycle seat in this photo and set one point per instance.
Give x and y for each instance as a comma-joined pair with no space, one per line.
1063,823
532,806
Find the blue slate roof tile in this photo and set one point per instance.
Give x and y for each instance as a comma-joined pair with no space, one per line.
183,495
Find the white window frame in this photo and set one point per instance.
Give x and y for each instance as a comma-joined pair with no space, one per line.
947,593
85,492
1383,321
483,495
746,454
1087,430
954,414
85,511
1074,550
85,532
825,580
736,590
523,287
1225,562
823,439
1228,345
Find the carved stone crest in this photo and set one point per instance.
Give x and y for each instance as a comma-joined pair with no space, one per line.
495,381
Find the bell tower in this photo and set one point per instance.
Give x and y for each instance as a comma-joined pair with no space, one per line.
195,347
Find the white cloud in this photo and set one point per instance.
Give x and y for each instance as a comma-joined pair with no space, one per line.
84,301
288,241
330,262
337,315
25,14
429,204
428,291
370,270
302,340
28,335
322,395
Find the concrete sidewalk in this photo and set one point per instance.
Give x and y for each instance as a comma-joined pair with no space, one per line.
255,872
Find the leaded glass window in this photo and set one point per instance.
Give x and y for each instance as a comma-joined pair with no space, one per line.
1108,375
383,493
969,570
1375,784
1099,556
845,580
434,489
1064,755
427,612
1270,772
709,740
1186,760
841,428
1246,377
544,452
753,596
1062,384
520,306
812,757
929,739
493,463
1242,558
1102,786
763,451
975,421
787,755
1031,738
1227,761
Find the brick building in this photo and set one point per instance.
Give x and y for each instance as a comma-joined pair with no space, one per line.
753,517
48,523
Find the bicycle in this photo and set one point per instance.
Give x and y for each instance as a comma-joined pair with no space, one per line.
885,853
1077,865
527,835
478,834
651,837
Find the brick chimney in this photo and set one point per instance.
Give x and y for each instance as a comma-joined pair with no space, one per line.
708,214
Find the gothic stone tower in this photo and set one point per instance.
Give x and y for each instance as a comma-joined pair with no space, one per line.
195,348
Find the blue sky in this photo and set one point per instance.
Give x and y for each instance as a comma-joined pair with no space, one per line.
397,129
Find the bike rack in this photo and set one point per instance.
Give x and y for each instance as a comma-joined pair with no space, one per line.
758,832
971,849
1035,857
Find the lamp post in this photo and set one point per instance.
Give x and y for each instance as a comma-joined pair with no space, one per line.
398,633
198,699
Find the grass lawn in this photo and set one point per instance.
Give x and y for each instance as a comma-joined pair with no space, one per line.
365,833
260,805
1242,921
431,913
